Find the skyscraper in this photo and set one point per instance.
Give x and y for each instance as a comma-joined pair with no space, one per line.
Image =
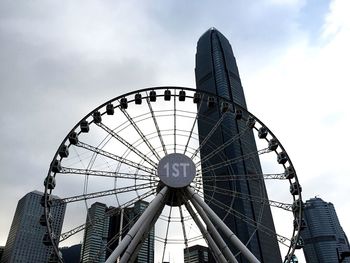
216,72
1,251
146,252
196,254
25,240
323,237
119,225
101,239
122,223
95,237
71,254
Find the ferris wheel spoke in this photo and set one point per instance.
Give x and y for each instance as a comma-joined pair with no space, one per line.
235,160
111,212
133,123
103,193
157,126
117,158
257,199
119,175
245,177
223,146
167,229
193,125
184,229
283,240
175,122
212,131
127,144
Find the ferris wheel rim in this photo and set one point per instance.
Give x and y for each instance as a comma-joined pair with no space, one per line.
235,105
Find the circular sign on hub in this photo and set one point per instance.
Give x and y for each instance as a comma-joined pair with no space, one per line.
176,170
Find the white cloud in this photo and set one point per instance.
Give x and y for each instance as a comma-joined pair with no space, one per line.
305,100
59,61
338,20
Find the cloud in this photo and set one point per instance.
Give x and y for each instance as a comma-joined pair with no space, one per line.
58,62
305,93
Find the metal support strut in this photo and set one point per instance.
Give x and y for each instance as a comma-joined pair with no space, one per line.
216,236
133,248
211,243
200,204
150,212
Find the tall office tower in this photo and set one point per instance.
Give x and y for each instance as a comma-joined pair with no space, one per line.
323,237
1,251
217,72
122,223
119,225
196,254
95,237
104,237
25,240
146,252
71,254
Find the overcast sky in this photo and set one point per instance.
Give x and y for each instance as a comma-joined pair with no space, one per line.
58,61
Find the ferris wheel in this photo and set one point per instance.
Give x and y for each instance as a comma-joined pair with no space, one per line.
149,146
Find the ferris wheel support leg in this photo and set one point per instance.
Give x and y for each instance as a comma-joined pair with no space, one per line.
132,250
215,249
150,211
215,234
199,203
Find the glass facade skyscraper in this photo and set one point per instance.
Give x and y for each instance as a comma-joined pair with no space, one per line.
196,254
25,240
323,237
216,72
95,237
106,230
122,222
146,252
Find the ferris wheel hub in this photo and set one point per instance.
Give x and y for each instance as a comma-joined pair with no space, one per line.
176,170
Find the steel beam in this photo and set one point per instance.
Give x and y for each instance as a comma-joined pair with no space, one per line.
216,236
133,248
199,203
211,243
149,212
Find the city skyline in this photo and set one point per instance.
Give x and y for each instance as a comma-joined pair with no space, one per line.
55,69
